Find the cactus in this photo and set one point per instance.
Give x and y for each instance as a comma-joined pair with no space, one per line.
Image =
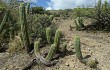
92,63
80,22
2,25
51,17
77,26
51,53
11,32
27,8
36,48
78,48
57,39
23,23
49,35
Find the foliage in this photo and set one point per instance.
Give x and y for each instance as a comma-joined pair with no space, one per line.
15,45
38,10
39,24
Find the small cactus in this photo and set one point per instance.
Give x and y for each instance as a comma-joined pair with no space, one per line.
49,35
36,48
92,63
79,23
78,48
77,26
57,39
24,30
51,52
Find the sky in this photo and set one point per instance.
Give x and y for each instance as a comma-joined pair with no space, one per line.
62,4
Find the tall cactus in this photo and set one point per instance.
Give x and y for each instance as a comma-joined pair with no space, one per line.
51,53
57,39
49,35
2,25
78,48
23,23
27,8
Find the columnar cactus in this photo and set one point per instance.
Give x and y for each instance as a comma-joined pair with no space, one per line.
51,52
23,23
36,48
49,35
2,25
57,39
78,48
27,8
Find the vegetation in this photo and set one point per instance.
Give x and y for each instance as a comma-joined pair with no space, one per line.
33,28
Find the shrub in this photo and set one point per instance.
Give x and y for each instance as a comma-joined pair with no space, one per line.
15,45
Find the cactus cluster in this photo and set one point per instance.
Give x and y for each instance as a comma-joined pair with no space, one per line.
49,35
23,23
79,23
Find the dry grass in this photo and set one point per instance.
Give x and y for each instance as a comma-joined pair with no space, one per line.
15,45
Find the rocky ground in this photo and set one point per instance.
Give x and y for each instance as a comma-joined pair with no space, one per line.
93,43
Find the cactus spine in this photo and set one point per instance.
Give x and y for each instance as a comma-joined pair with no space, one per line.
49,35
78,48
57,39
27,8
23,23
51,53
2,25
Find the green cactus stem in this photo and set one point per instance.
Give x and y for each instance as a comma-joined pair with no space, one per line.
78,48
57,39
51,52
49,35
37,48
24,26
